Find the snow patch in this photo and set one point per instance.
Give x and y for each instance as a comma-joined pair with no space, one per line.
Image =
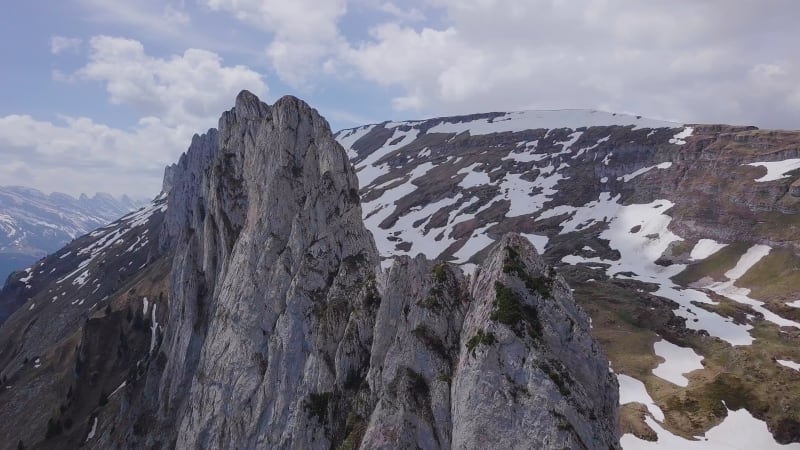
629,177
93,430
739,431
554,119
638,253
80,280
677,362
539,242
679,138
705,248
124,383
477,242
28,277
153,329
789,364
349,137
473,178
776,170
729,290
632,390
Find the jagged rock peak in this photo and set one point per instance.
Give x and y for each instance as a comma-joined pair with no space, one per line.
271,254
526,337
249,106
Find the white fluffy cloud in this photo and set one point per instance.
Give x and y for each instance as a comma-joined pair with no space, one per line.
80,155
687,60
305,33
188,89
175,97
157,17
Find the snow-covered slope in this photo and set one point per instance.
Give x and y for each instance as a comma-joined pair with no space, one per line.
33,224
514,159
646,210
87,266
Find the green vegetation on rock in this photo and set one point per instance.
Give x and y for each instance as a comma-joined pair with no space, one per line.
558,375
509,309
513,265
480,338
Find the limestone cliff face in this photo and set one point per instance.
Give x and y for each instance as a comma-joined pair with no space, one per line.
277,328
271,260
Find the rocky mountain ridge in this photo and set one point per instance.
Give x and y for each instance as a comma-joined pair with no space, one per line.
248,310
33,224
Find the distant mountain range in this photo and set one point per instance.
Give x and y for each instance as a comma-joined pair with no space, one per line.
33,224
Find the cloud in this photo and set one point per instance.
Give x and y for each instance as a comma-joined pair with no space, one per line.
409,15
304,32
189,89
77,154
151,15
60,44
685,60
175,96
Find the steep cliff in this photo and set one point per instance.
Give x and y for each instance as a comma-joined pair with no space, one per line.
264,320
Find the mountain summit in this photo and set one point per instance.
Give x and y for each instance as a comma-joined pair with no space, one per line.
246,308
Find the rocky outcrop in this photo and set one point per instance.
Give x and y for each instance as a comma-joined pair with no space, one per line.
459,358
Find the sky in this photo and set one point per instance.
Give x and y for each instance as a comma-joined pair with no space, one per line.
101,95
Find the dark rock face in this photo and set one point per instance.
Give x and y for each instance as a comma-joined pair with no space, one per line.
261,319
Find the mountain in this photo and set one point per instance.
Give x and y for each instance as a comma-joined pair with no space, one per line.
246,307
33,224
680,241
